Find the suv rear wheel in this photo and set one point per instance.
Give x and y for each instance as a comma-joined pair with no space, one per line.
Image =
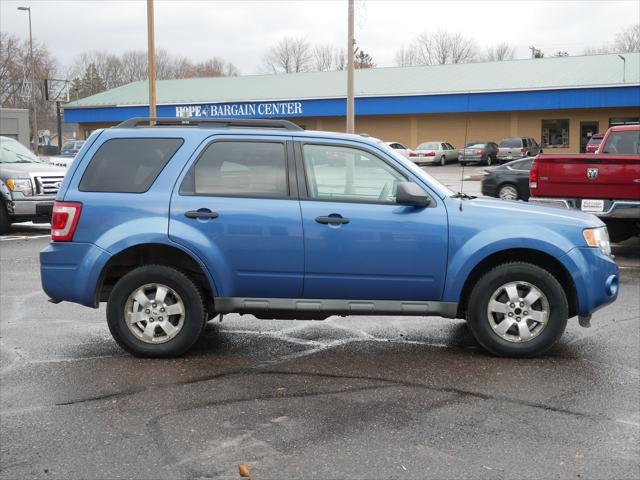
156,311
517,310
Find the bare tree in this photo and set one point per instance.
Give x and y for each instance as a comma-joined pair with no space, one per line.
439,47
324,57
134,66
291,54
628,40
499,52
106,64
16,75
340,60
407,56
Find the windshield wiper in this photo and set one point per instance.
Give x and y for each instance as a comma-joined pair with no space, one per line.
463,195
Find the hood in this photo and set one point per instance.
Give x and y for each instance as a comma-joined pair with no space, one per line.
25,170
496,210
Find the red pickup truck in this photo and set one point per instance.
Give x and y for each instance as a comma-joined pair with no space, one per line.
606,184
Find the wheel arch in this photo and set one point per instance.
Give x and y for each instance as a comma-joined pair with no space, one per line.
535,257
142,254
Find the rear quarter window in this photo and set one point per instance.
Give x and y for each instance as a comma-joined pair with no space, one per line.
128,165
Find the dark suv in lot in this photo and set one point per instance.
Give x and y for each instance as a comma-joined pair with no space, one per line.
174,223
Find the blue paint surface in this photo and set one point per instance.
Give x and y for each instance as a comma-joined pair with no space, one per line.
447,103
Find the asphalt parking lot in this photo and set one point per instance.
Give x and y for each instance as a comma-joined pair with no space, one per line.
358,397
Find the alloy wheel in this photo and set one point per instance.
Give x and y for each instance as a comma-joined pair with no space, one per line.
518,312
154,313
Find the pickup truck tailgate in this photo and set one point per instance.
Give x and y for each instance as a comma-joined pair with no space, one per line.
589,176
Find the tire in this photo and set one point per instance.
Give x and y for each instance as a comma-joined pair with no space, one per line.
487,324
489,160
508,191
443,161
5,220
463,164
143,339
621,230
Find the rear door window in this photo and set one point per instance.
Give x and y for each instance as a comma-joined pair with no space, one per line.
128,165
239,169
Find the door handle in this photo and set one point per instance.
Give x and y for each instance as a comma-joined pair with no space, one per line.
331,219
202,213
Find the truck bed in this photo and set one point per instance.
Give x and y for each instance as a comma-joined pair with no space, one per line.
588,176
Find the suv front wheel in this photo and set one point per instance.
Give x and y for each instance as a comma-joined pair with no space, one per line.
155,311
517,310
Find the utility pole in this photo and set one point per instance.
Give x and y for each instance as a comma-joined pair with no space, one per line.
151,63
624,68
350,100
34,103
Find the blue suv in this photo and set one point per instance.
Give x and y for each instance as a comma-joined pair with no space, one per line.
174,221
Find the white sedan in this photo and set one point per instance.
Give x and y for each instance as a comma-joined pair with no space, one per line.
434,153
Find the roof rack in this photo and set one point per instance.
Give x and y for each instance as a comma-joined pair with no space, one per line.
205,122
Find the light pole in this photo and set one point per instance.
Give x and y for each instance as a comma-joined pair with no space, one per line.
151,60
350,99
34,104
624,68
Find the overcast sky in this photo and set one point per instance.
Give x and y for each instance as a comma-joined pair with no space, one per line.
241,31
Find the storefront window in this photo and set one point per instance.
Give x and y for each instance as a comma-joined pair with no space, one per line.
555,133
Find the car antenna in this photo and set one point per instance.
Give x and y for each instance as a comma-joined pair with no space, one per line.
464,147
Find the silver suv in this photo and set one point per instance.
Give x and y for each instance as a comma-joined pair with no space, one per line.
511,148
28,186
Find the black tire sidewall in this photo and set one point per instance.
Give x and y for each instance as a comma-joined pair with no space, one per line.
194,311
443,160
489,283
5,221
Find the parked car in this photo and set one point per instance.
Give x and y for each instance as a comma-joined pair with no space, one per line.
400,148
509,181
478,152
511,148
606,184
173,225
71,148
434,153
28,186
594,142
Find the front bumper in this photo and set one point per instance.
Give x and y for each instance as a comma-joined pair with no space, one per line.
36,207
70,271
596,277
625,209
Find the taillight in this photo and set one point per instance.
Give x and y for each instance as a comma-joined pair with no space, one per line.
413,154
521,149
478,152
533,176
64,220
430,154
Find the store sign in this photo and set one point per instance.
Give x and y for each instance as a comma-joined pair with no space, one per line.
269,109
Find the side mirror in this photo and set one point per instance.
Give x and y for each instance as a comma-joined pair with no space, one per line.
408,193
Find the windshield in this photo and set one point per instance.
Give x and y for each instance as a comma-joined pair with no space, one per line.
417,171
12,151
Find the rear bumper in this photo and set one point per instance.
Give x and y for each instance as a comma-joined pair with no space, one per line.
70,271
629,209
596,278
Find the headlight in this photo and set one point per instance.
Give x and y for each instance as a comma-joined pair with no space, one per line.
598,238
22,185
